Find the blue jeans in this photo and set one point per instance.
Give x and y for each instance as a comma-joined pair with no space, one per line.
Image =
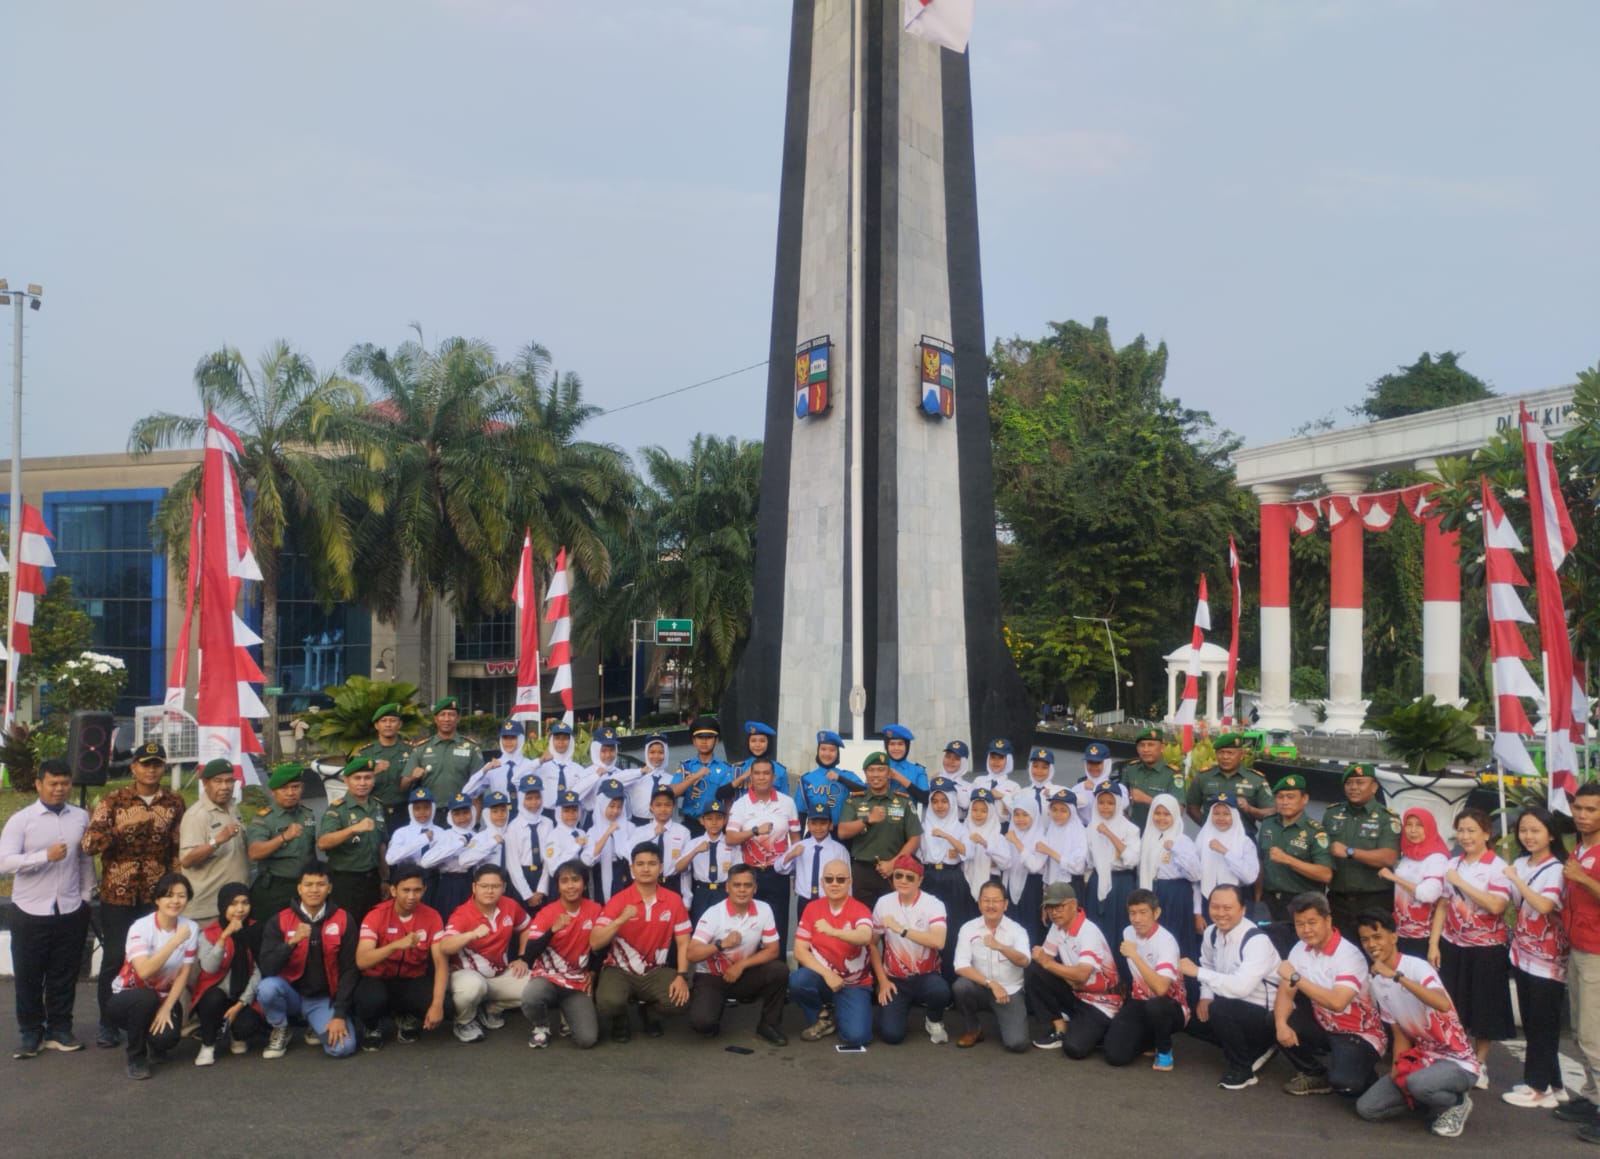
929,991
852,1005
280,1001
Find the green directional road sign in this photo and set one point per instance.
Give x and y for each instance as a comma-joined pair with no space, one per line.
675,633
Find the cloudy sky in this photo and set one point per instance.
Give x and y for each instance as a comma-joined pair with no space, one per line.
1295,196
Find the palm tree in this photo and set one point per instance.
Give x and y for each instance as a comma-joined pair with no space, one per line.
282,411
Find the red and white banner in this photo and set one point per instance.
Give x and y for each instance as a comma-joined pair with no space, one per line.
1376,509
527,704
1507,648
1189,709
945,22
558,611
1233,643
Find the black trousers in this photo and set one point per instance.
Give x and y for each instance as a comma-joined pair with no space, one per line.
46,954
356,893
211,1008
1540,1001
767,983
1242,1029
1049,997
1346,905
1350,1060
377,998
866,886
1142,1024
773,888
132,1011
115,922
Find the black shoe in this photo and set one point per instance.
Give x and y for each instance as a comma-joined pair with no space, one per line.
1238,1080
1579,1110
773,1035
621,1030
372,1042
138,1068
108,1037
652,1028
30,1046
1590,1133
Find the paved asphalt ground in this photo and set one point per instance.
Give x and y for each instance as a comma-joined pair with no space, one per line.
680,1095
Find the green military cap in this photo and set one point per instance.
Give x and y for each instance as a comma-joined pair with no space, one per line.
390,709
358,765
445,702
1229,740
1292,781
875,759
1148,734
285,775
1359,771
217,767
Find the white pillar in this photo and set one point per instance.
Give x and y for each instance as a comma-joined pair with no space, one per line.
1345,707
1213,697
1441,608
1275,707
1172,692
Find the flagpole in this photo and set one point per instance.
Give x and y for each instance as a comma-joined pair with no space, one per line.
857,392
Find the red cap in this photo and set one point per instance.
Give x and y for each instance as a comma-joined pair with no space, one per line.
909,864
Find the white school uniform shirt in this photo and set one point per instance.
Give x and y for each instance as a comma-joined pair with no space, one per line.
502,778
410,842
579,779
1339,963
607,853
527,832
675,840
1070,843
563,843
935,850
756,928
1037,794
455,851
1160,952
1086,945
1021,863
1239,964
903,958
992,964
1000,784
1439,1035
1085,791
643,788
145,939
806,869
746,813
594,776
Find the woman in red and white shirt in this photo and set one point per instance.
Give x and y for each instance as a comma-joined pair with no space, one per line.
1418,880
1539,957
161,949
1467,941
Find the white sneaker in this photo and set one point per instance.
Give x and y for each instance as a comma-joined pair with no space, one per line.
238,1046
490,1018
1483,1078
468,1031
1522,1095
312,1038
277,1043
207,1056
937,1034
1449,1124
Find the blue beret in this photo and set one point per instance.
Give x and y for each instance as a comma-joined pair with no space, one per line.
897,732
828,736
756,728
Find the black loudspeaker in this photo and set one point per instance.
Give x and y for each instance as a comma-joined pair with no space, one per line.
89,747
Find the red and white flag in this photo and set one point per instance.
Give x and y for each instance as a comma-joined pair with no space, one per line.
1553,538
527,705
945,22
558,611
33,556
1507,648
1188,711
1233,643
1306,516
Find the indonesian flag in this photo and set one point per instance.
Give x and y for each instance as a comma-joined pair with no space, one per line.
1377,511
1507,648
1306,516
945,22
558,611
1233,643
1189,709
527,705
1553,538
33,556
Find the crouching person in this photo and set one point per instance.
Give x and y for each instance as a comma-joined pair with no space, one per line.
734,950
308,968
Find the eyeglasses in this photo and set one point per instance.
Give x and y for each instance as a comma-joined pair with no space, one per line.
836,881
904,875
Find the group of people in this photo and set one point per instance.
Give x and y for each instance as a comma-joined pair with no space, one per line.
445,890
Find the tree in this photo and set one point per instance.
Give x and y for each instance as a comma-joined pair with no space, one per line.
282,411
1427,384
1112,498
348,723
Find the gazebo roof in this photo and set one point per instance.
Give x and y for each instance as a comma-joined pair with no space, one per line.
1209,654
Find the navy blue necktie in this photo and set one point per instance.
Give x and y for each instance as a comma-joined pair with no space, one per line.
711,856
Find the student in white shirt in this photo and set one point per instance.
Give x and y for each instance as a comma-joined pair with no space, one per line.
991,952
943,849
989,854
911,929
1024,876
454,854
1041,785
1113,842
502,772
561,770
411,841
1097,775
526,839
155,973
1169,865
1157,1006
1062,840
956,766
734,949
704,867
607,851
996,777
1238,976
670,837
656,774
805,859
566,838
1227,851
603,768
1071,985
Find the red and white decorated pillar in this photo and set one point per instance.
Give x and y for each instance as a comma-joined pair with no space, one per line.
1345,707
1277,516
1441,608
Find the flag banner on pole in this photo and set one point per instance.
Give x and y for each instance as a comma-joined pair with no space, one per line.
558,611
527,702
945,22
1233,643
1507,648
1188,711
33,556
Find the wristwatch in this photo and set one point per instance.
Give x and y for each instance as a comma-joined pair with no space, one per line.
1294,979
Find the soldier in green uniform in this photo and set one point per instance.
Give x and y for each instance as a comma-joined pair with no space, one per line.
1364,837
880,823
1246,786
352,834
1295,853
1149,776
280,840
388,755
442,763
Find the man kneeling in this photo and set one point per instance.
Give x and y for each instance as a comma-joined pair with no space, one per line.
642,926
308,967
735,954
487,976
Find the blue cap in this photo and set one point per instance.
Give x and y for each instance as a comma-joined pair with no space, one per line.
1062,797
1096,752
897,732
983,795
756,728
1000,747
420,796
1224,799
495,799
561,729
828,736
568,799
942,785
611,789
959,747
716,805
511,728
1044,755
530,784
459,801
820,809
605,735
655,738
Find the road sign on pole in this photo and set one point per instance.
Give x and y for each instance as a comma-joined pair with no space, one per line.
675,633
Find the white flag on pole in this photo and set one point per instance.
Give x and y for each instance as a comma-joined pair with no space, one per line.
945,22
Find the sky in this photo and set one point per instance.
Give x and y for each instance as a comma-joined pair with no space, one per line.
1296,196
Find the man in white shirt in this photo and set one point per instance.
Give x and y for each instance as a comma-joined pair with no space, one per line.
1238,976
991,953
1157,1005
1323,1008
762,823
734,951
911,926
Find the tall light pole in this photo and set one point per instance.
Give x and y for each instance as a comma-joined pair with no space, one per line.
1116,673
16,299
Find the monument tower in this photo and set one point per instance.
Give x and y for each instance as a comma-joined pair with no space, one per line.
876,582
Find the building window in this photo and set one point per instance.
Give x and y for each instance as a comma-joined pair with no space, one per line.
317,647
492,637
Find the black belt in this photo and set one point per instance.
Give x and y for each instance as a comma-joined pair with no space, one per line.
712,884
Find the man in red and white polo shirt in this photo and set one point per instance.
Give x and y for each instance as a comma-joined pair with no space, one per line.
1323,1008
1071,984
1157,1005
831,949
1582,913
646,929
559,976
735,954
762,824
913,929
395,956
486,974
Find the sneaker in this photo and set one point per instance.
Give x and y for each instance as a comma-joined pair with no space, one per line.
1237,1080
1449,1123
277,1043
138,1068
372,1041
1590,1133
29,1047
1051,1041
238,1046
562,1029
108,1037
490,1018
621,1029
62,1040
1483,1080
207,1056
468,1031
1308,1084
540,1038
1263,1059
1163,1061
312,1038
937,1034
407,1029
772,1034
652,1027
818,1030
1577,1110
1522,1095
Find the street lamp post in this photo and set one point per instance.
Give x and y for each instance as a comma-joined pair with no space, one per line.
1116,672
16,299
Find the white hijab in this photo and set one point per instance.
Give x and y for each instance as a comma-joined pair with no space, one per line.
1212,863
1151,847
601,769
1016,876
977,867
1103,854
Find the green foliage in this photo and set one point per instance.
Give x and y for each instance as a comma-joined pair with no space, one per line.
347,725
1428,736
20,756
88,682
1307,683
1427,384
61,630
